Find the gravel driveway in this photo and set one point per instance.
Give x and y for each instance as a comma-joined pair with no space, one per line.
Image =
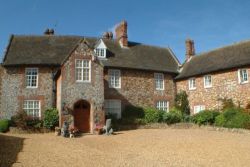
145,147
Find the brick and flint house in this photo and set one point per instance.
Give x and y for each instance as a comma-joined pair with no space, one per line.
221,73
91,76
96,76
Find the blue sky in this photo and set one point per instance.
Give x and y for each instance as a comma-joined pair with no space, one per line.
211,23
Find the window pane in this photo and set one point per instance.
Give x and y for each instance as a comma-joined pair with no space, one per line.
82,70
32,108
31,77
114,78
113,107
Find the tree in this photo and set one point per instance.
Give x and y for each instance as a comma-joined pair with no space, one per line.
182,103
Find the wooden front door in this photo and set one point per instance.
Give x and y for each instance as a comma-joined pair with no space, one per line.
82,116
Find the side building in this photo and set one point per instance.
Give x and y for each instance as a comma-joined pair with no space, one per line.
218,74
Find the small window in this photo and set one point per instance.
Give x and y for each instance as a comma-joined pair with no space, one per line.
113,107
159,81
162,105
31,77
32,108
100,52
114,78
83,70
192,84
198,108
243,76
207,81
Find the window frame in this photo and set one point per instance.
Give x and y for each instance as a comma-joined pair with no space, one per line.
160,106
157,79
201,108
119,115
82,68
239,76
98,52
189,83
39,108
37,77
109,78
211,84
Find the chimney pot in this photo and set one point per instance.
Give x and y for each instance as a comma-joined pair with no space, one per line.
121,33
190,49
49,32
107,35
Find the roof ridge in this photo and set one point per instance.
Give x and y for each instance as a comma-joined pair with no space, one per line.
222,47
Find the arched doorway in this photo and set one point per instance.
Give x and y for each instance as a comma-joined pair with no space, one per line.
82,115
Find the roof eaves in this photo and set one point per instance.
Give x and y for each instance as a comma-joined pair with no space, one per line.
174,56
77,44
8,47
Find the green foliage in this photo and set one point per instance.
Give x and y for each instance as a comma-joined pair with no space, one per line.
233,118
133,112
182,103
51,118
152,115
206,117
20,120
227,103
4,125
172,117
34,123
23,121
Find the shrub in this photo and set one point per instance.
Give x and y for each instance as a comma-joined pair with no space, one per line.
233,118
172,117
133,112
152,115
51,118
4,125
227,103
20,120
182,103
206,117
23,121
34,123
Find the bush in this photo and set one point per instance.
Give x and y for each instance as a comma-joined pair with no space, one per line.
34,123
172,117
233,118
182,103
133,112
227,103
20,120
152,115
23,121
206,117
51,118
4,125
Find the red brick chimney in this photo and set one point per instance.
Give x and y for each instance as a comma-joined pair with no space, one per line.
190,50
121,33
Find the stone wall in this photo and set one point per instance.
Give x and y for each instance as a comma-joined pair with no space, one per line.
14,92
224,85
92,92
138,89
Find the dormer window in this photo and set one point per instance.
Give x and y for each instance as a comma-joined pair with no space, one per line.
100,52
100,49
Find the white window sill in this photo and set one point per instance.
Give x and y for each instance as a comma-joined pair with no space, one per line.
207,87
102,58
242,83
83,81
192,88
159,89
32,87
114,87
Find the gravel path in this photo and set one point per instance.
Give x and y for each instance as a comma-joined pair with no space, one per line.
160,147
